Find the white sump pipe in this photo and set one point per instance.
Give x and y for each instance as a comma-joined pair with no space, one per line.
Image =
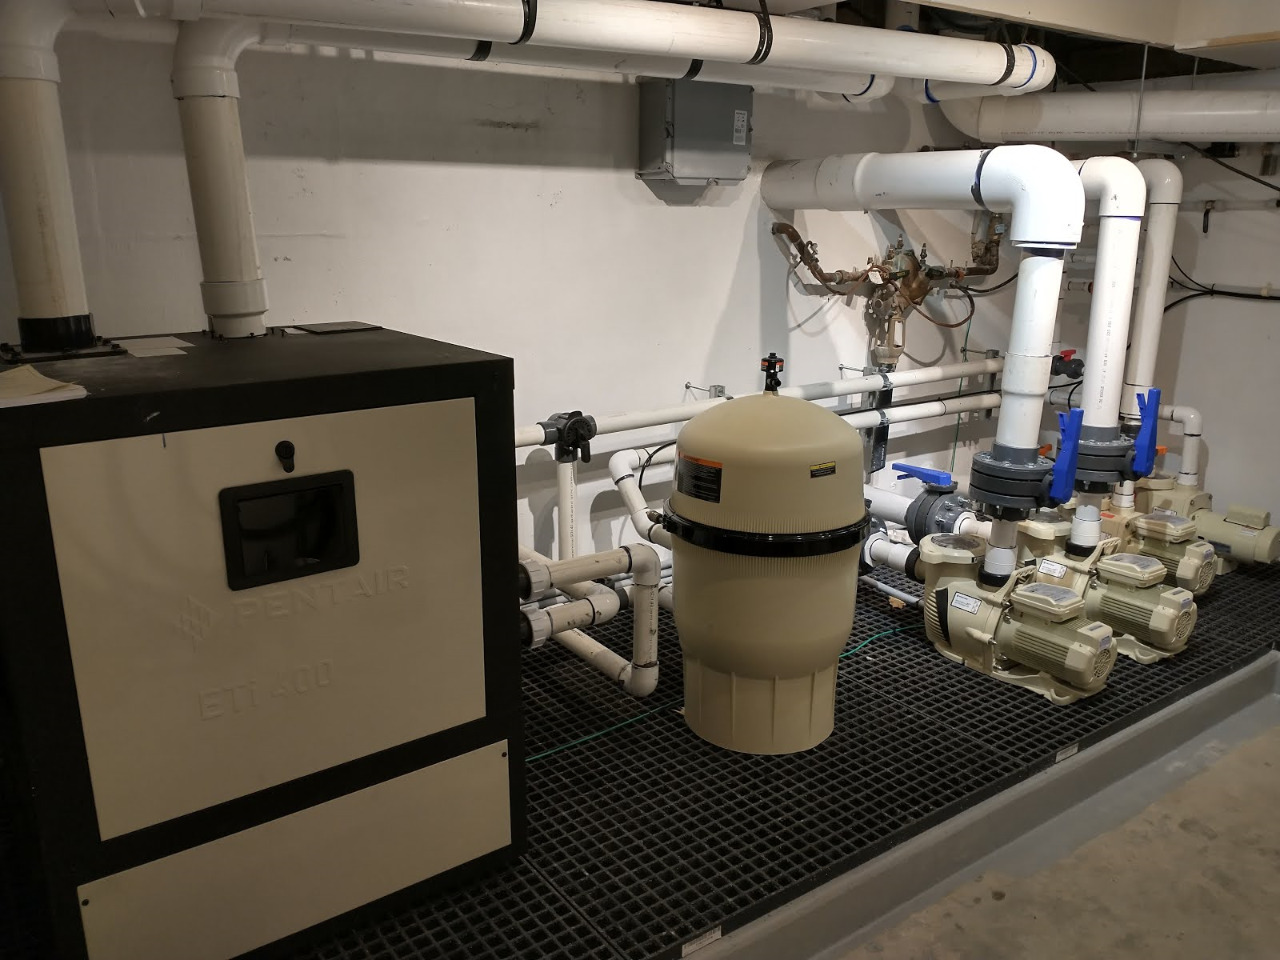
639,27
1196,115
536,435
208,94
595,603
1164,193
35,179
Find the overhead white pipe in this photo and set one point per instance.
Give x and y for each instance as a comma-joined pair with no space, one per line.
1164,193
567,509
908,412
642,28
1195,115
208,94
849,87
536,435
1119,188
35,180
1192,429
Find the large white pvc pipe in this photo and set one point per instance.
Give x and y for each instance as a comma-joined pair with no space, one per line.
881,551
535,435
1197,115
923,411
643,28
35,179
1192,428
1118,186
851,87
208,94
1164,193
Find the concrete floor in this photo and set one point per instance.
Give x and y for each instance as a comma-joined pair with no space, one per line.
1195,874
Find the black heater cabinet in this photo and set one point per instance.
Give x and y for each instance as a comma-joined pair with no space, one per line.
260,666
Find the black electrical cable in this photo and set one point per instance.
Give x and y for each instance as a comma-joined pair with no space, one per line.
1072,392
1197,285
1199,290
649,459
980,290
1222,163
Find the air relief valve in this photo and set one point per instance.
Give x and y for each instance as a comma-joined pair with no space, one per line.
1034,635
766,520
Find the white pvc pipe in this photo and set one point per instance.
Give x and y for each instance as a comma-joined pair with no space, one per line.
1164,193
35,179
923,411
1118,186
887,505
535,435
1086,521
1196,115
567,510
208,94
848,87
643,28
1192,429
624,467
1002,548
881,551
1028,365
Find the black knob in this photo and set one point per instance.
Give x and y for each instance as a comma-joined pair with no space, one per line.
771,366
284,452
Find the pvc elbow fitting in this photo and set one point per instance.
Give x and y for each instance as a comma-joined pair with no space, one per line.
1117,184
1163,179
28,29
204,58
1042,189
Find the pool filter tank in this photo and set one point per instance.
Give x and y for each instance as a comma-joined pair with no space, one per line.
766,519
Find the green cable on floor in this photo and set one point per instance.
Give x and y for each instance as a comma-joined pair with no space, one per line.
676,703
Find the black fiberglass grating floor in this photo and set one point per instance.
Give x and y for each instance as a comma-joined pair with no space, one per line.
507,916
643,836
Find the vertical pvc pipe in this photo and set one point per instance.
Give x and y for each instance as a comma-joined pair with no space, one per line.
1109,320
35,181
1028,364
208,94
566,510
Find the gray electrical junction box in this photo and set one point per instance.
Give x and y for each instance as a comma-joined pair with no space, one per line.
694,133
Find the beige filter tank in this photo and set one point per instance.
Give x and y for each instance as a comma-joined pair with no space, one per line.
766,519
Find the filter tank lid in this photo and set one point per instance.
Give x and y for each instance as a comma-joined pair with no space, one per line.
769,464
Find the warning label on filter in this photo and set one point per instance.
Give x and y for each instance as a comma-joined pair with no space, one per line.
699,479
827,469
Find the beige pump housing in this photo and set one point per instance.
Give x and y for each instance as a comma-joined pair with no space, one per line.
1035,635
1241,535
766,519
1189,562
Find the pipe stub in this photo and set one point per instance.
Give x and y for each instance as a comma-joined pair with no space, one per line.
56,334
773,545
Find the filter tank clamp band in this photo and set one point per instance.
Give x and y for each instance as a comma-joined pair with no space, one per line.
773,545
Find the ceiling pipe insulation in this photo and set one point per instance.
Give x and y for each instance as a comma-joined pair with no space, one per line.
644,28
35,180
1176,115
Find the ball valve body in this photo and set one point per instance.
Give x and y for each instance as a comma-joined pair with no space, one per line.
766,519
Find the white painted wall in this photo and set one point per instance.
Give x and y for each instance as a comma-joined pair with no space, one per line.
1223,356
496,209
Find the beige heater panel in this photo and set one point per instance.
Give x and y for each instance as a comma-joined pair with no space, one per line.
192,694
234,894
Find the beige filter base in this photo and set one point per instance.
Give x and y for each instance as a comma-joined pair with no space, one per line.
764,716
